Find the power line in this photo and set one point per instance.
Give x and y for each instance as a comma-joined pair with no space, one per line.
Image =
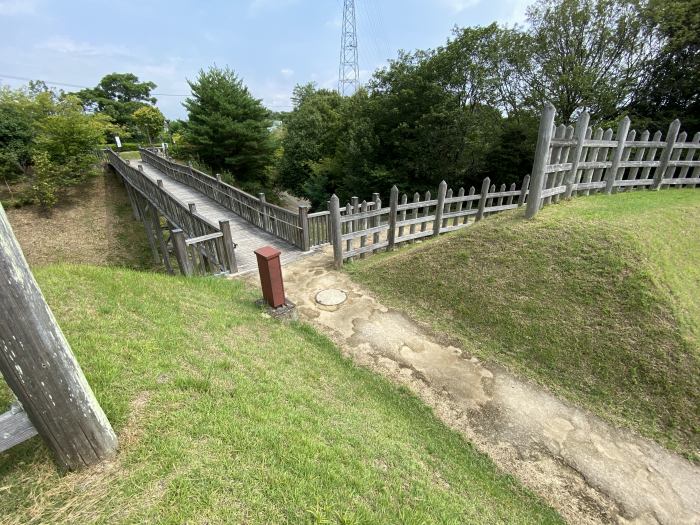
65,84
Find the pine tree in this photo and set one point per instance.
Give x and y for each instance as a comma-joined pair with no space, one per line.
228,129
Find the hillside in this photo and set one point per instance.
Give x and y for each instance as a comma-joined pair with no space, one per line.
227,416
598,298
92,224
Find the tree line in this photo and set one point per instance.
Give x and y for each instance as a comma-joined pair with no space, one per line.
463,111
470,108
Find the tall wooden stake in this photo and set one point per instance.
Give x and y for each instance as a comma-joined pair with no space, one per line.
40,368
544,138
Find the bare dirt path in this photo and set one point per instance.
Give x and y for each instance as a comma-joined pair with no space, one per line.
586,469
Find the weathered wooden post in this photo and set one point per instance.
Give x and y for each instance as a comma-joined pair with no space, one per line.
336,232
611,176
538,176
580,136
483,198
304,223
229,245
440,208
263,215
180,246
523,190
377,218
393,212
666,153
40,368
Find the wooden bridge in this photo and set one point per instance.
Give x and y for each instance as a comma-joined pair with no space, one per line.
211,227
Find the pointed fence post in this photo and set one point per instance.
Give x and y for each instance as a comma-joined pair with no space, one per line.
229,245
671,137
482,199
611,176
40,368
336,232
439,210
544,139
523,190
393,212
580,135
304,222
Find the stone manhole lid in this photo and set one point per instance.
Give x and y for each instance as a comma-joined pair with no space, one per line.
331,297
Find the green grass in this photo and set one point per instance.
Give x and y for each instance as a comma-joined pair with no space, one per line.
227,416
597,298
130,155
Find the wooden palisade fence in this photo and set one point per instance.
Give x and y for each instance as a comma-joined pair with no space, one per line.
200,247
569,161
287,225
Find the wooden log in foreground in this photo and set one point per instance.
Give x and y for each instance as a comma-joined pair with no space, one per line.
40,368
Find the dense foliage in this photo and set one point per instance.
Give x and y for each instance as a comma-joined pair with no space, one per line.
469,109
227,129
47,138
119,95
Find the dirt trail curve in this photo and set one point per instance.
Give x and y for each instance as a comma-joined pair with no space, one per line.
586,469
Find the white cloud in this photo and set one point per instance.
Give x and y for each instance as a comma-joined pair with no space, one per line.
286,72
68,46
459,5
517,12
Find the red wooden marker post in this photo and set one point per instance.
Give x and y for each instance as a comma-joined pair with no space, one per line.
270,269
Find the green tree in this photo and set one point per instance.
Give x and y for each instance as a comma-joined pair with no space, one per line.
587,54
227,129
69,137
669,88
118,95
311,133
150,121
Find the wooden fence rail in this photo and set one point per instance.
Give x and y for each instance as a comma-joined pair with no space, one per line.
287,225
200,246
569,161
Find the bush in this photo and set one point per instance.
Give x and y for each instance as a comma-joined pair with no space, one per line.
47,180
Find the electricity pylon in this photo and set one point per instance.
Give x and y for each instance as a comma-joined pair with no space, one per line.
349,71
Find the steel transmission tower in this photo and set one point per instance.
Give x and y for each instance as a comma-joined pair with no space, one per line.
349,73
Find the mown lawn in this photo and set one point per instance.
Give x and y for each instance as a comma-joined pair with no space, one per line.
597,298
227,416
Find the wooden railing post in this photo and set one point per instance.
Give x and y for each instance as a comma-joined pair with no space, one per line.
393,212
483,198
671,136
263,214
611,176
377,218
538,176
580,136
229,245
336,232
304,223
180,247
40,368
439,210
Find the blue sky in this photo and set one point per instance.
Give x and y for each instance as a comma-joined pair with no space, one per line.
271,44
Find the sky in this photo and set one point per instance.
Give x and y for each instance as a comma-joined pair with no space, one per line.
271,44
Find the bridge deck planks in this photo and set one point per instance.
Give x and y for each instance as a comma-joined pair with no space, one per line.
245,235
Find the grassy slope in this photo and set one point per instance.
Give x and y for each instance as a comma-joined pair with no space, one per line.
598,298
227,416
92,224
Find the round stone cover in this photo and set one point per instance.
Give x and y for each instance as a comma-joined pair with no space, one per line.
331,297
